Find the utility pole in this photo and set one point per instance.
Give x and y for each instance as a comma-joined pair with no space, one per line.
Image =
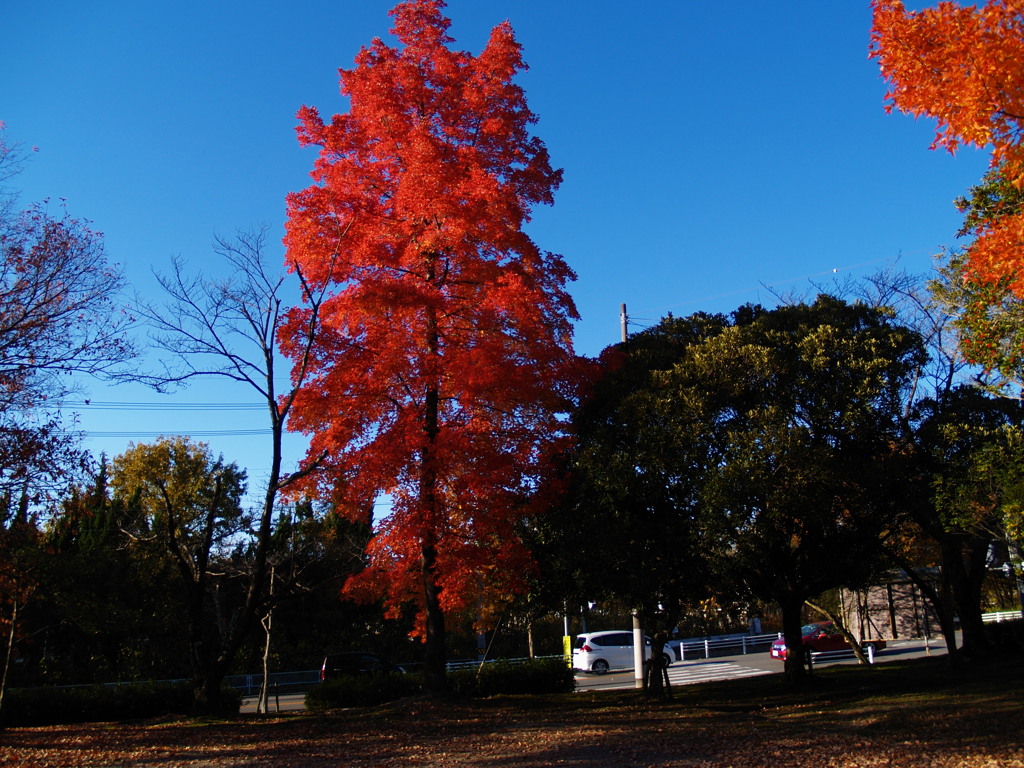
639,651
623,320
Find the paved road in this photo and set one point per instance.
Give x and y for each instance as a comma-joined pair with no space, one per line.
748,665
291,702
683,673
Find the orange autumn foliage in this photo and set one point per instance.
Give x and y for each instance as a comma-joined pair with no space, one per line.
962,66
444,356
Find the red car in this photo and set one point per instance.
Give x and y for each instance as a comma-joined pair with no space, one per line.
820,637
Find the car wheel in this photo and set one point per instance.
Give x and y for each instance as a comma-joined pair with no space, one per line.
599,667
667,660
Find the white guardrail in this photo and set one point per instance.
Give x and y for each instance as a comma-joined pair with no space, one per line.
997,616
706,647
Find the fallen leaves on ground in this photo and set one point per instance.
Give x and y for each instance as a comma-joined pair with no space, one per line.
949,727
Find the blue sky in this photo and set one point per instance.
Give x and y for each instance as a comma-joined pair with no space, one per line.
709,149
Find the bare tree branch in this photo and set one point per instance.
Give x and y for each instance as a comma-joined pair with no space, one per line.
228,328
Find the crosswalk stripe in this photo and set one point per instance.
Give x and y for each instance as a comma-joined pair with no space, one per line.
704,672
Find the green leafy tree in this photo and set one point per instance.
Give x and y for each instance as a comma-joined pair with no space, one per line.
962,460
112,602
987,314
626,528
970,444
761,450
801,412
20,570
190,504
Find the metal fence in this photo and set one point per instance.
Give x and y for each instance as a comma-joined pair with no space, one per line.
300,682
280,682
473,664
845,653
723,645
997,616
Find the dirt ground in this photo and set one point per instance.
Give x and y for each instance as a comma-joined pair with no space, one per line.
976,724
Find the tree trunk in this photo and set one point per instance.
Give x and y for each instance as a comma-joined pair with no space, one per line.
1016,555
792,623
657,679
258,597
205,655
205,691
941,601
964,560
435,680
8,652
263,705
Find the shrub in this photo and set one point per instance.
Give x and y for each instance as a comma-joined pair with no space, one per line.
539,676
1006,636
98,703
362,690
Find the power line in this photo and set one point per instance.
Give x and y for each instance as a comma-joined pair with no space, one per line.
190,433
112,405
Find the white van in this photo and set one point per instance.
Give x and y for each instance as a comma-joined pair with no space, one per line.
600,652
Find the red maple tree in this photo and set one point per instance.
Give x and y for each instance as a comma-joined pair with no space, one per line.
445,355
962,66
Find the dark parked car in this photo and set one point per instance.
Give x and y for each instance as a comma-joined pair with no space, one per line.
820,637
354,663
